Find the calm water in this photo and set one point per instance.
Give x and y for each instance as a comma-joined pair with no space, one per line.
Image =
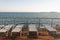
29,14
26,15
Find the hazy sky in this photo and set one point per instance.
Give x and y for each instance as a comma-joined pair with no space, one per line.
29,5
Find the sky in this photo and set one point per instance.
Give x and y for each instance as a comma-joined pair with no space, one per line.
29,5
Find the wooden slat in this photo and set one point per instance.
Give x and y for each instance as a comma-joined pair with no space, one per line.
49,28
32,27
1,26
6,28
18,28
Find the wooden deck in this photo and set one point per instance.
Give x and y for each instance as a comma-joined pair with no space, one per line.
42,35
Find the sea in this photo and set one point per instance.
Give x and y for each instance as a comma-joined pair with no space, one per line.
8,17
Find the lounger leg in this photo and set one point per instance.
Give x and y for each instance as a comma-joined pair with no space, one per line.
21,33
6,33
11,33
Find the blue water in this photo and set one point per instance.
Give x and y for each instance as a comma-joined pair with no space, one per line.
27,15
30,14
